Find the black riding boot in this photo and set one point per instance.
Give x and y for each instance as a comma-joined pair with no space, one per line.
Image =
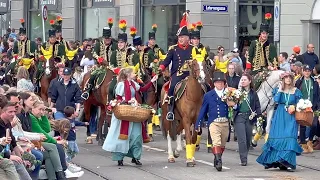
170,114
217,151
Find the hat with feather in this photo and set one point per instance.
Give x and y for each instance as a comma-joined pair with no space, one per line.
52,31
265,27
59,24
22,29
123,27
152,34
106,32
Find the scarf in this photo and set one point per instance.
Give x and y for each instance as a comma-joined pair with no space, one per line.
124,127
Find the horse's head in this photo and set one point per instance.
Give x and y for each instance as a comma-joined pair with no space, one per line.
197,70
52,65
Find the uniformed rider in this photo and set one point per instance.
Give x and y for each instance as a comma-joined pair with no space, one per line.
177,55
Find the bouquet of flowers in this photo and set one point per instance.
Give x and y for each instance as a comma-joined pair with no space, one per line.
304,105
233,95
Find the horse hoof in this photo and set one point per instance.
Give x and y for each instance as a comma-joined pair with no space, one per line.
151,139
171,160
190,164
176,154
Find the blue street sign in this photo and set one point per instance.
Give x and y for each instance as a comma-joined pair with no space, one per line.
214,8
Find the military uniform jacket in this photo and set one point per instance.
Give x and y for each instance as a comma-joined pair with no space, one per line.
101,50
178,56
213,106
146,57
262,55
124,58
56,50
24,48
159,53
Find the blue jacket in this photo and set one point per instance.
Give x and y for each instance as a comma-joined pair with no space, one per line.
72,133
67,95
52,85
178,57
213,106
310,59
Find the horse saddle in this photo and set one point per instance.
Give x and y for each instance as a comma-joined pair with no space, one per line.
180,88
100,75
260,78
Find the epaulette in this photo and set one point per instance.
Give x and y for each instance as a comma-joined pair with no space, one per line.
201,46
172,47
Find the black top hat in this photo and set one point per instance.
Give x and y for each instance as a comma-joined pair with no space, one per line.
183,31
219,76
152,35
195,34
264,27
123,37
52,32
106,33
22,29
137,41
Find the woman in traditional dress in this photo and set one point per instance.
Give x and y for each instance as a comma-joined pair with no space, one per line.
129,141
282,147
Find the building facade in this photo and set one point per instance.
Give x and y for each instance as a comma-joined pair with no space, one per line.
230,23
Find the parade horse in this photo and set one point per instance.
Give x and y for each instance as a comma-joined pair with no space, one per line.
269,81
189,95
99,98
50,72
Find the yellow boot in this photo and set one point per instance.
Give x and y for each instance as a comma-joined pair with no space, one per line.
150,131
209,147
189,151
197,145
156,122
255,139
266,137
310,146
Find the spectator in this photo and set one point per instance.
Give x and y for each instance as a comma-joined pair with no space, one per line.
296,50
283,62
73,149
309,57
66,93
13,34
24,83
8,110
232,78
237,61
87,60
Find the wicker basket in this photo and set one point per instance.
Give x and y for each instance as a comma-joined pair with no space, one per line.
304,118
131,113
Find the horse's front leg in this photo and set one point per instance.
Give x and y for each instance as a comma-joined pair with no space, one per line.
269,118
170,152
190,148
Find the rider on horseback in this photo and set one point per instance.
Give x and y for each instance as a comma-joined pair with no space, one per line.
177,55
262,53
102,53
24,49
50,50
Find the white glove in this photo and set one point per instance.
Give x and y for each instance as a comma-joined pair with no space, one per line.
48,71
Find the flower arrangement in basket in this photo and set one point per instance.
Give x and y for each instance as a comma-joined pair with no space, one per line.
233,95
131,111
304,112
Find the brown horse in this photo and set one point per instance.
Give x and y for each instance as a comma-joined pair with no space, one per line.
186,112
99,98
49,74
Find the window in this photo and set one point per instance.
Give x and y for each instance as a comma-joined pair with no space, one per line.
35,18
95,19
250,18
167,18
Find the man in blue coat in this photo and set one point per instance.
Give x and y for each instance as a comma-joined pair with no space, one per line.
218,122
177,55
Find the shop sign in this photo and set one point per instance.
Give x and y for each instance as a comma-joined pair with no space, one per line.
276,25
214,8
52,5
4,6
104,3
